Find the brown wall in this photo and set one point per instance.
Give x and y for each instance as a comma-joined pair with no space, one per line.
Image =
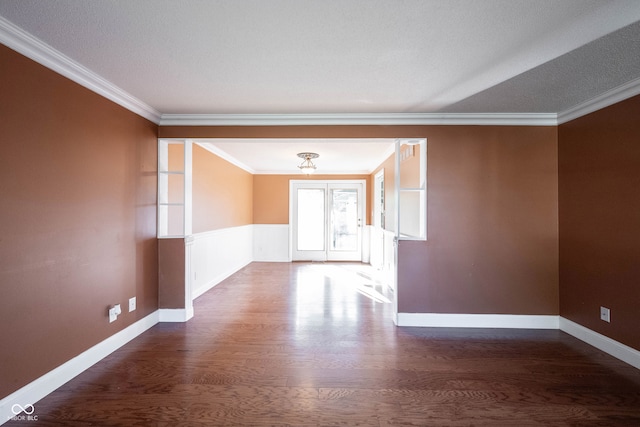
492,214
271,196
599,188
78,188
171,273
78,217
222,193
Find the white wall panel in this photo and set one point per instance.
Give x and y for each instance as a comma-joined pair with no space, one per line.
271,243
216,255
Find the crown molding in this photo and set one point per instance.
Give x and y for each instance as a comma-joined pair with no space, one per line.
608,98
223,155
502,119
24,43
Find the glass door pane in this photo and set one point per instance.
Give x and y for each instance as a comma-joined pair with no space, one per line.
344,220
326,220
310,219
346,213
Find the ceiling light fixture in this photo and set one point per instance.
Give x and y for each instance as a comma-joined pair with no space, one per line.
307,165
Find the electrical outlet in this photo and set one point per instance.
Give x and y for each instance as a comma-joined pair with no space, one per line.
132,304
114,312
605,314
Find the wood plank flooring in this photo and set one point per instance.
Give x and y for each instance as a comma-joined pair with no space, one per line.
313,344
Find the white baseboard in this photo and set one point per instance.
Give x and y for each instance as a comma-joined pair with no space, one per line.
604,343
52,380
219,278
443,320
46,384
216,255
440,320
207,286
175,314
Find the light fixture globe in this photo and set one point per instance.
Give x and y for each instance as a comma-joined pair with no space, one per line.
307,167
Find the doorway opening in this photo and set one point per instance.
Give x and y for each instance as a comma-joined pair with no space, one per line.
326,220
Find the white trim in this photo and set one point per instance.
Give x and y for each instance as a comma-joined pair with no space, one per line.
175,314
326,254
225,156
24,43
445,320
503,119
366,241
217,254
601,342
208,286
52,380
606,99
217,280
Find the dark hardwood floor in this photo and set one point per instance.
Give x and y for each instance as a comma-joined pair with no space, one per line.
312,344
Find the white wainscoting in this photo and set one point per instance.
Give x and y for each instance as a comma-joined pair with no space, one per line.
216,255
366,244
389,258
271,243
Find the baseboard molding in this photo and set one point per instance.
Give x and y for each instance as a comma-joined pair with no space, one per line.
215,281
217,254
175,314
614,348
46,384
52,380
444,320
206,287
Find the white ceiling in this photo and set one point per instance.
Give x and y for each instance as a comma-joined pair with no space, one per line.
267,156
175,61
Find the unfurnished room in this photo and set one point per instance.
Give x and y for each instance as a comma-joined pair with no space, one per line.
320,213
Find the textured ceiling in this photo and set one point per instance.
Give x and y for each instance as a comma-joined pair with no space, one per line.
345,56
337,58
567,81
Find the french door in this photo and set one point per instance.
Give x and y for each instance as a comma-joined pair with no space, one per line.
326,220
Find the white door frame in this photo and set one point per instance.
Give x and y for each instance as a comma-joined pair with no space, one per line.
294,185
377,223
422,208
